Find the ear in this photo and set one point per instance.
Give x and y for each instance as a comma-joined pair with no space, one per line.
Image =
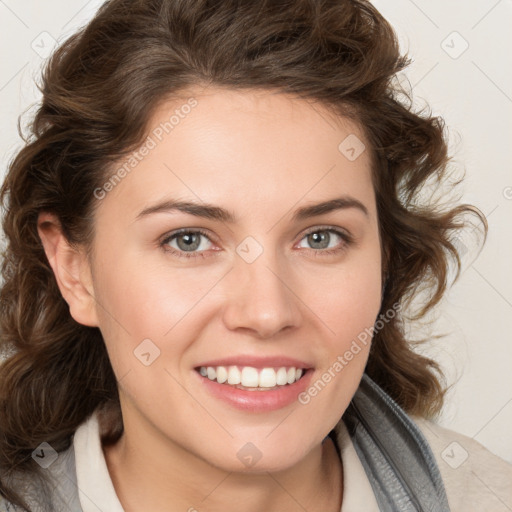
71,268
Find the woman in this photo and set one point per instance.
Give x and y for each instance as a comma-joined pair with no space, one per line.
212,235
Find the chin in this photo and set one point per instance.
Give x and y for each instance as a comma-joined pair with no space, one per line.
260,455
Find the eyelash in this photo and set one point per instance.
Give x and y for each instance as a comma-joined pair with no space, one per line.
347,241
183,254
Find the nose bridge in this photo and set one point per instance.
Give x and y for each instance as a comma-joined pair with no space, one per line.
260,298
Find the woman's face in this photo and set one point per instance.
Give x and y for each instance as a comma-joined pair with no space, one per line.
261,283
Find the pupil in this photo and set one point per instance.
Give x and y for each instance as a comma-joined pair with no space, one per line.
191,241
319,237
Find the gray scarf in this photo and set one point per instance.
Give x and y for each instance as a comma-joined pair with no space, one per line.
394,453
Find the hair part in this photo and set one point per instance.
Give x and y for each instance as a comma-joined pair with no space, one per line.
100,88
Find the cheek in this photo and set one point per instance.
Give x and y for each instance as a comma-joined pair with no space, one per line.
140,300
346,298
353,306
349,310
347,301
348,306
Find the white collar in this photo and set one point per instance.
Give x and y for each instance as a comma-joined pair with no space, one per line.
357,491
95,487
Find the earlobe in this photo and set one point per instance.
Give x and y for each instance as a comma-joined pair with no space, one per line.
71,269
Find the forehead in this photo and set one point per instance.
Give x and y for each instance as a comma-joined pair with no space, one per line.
251,148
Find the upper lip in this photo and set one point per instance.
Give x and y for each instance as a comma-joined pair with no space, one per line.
258,362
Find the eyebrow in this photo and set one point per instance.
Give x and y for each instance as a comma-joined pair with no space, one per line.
209,211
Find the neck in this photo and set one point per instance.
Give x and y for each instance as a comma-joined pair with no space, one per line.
149,474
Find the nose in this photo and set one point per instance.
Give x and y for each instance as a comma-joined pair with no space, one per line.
261,300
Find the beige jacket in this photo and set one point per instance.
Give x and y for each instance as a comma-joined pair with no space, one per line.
474,478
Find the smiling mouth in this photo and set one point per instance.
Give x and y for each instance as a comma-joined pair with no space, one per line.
253,379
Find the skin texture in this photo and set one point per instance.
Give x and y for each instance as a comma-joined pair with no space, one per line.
261,155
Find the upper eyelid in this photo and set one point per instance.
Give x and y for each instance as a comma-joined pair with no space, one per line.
181,231
326,228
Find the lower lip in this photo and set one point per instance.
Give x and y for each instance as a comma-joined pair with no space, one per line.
257,401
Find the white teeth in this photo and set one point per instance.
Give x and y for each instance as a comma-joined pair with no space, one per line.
281,377
233,375
222,374
268,378
250,377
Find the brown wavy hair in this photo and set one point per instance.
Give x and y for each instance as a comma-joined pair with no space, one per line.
99,89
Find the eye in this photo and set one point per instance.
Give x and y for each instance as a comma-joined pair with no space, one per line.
194,243
187,243
326,241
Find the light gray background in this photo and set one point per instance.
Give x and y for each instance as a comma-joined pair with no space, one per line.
471,88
